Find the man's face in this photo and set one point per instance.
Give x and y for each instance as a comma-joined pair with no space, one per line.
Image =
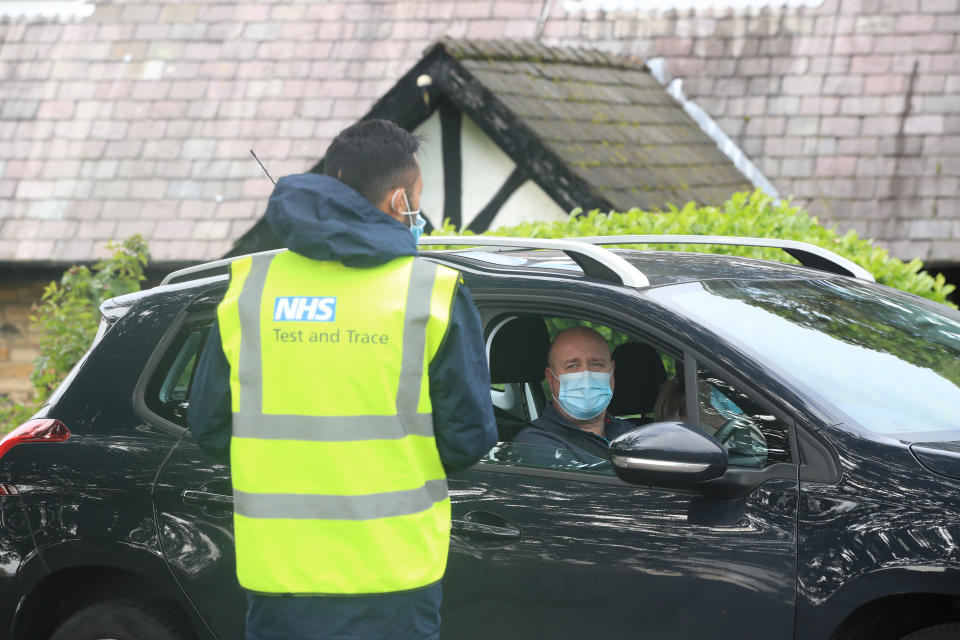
578,350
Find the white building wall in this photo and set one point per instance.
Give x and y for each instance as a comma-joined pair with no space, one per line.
485,169
431,165
529,203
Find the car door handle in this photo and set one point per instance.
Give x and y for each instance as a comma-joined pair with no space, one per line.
207,499
483,524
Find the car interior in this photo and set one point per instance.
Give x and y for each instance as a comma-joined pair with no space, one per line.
517,351
648,387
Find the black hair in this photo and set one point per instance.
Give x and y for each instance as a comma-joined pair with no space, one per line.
373,156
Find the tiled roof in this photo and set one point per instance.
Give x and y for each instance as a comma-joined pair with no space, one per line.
608,118
136,118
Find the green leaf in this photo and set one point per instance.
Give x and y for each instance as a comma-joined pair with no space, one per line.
753,214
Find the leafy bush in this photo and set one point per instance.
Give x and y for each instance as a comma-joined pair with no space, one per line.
67,318
745,214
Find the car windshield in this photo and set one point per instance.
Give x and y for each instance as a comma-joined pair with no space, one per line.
890,363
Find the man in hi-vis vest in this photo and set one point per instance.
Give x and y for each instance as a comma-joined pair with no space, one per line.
345,378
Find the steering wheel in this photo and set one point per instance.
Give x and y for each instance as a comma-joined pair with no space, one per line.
726,432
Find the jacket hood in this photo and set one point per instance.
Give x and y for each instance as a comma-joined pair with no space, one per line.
320,217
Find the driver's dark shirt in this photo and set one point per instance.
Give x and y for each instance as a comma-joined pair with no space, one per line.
554,430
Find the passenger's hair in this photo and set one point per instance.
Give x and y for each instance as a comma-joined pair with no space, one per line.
670,401
373,157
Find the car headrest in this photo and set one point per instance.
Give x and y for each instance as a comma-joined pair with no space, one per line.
518,352
638,375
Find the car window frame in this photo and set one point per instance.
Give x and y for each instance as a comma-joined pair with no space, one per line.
493,304
185,317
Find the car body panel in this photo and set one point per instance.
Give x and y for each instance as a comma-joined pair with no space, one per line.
632,560
17,549
889,526
194,504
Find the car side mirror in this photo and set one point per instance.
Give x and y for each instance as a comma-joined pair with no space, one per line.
667,454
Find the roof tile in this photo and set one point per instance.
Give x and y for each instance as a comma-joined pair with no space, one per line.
604,115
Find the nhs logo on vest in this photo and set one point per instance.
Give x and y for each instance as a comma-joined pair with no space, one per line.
304,309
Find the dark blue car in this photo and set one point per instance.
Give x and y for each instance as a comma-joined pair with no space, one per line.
806,484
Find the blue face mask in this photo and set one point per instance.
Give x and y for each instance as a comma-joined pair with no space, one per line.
584,394
419,222
417,227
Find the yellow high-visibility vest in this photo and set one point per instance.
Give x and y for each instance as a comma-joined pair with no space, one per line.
337,483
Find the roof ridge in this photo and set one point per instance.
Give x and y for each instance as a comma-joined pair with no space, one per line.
530,50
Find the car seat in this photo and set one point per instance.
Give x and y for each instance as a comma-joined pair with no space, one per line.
518,354
638,375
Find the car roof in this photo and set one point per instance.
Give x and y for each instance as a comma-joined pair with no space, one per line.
590,257
660,267
582,257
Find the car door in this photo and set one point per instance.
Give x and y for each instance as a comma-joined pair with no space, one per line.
195,518
571,550
192,492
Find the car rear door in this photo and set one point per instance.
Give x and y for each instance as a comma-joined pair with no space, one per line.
195,517
192,492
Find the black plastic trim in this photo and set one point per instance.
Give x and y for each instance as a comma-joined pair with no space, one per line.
139,391
818,460
738,482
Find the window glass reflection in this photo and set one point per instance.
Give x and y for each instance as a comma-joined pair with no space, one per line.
890,363
752,437
515,454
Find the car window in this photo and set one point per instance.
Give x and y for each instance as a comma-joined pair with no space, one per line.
167,392
752,436
535,456
521,392
887,362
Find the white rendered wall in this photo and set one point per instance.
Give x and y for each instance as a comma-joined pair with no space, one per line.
485,169
431,164
529,203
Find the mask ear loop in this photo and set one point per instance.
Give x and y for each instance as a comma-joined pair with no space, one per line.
393,203
555,398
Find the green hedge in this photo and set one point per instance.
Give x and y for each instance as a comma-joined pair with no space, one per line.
745,214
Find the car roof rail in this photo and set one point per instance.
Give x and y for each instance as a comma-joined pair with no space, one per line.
595,261
809,255
208,269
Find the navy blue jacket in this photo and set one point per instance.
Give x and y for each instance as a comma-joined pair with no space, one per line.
553,430
321,218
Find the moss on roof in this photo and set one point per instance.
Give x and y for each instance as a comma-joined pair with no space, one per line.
607,117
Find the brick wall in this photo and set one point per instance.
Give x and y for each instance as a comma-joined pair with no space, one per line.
18,345
853,107
140,118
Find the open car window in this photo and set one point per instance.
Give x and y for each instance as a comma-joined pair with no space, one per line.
518,347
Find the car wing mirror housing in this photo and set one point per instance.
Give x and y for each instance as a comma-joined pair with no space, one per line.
667,454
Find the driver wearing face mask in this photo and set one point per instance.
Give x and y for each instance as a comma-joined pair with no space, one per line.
580,373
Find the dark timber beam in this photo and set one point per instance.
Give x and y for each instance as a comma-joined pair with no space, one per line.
450,120
483,220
